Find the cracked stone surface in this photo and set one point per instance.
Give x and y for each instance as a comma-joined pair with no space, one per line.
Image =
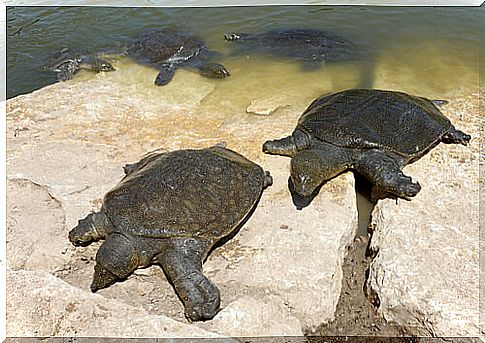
426,271
279,275
47,306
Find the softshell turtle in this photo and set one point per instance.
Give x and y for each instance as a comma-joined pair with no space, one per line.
167,50
374,132
170,209
309,46
66,62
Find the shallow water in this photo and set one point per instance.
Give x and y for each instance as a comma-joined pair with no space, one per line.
437,47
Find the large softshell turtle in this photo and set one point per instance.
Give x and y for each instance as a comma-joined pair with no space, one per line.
170,209
296,44
167,50
310,48
67,62
375,132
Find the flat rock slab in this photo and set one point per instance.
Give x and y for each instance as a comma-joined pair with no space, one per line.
280,274
426,271
268,105
35,227
42,305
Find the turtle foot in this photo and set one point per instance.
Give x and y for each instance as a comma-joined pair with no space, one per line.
200,296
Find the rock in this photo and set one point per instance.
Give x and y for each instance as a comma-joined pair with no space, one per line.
41,305
426,271
73,138
35,227
245,316
267,105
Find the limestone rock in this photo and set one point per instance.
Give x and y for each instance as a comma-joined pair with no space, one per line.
426,271
41,305
267,105
245,316
35,227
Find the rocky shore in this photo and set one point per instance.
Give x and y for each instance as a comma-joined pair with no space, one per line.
281,275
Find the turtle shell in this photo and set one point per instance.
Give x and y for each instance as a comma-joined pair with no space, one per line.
363,118
186,193
160,46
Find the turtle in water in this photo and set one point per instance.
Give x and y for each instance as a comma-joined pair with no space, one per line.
374,132
311,47
171,209
167,50
67,62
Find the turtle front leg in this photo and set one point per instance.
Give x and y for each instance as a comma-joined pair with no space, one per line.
167,71
385,173
288,146
454,136
89,229
181,261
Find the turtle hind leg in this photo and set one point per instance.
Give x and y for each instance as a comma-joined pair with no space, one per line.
167,71
385,173
181,260
454,136
66,70
89,229
284,146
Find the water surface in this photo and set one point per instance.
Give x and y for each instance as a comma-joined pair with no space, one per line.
437,47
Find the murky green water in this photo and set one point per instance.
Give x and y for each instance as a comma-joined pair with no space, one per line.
436,48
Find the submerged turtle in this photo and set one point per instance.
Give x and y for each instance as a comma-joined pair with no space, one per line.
67,62
309,46
170,209
374,132
168,50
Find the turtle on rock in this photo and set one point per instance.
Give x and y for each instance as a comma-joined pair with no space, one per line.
67,62
170,209
168,49
374,132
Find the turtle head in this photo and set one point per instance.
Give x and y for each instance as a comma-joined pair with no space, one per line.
214,70
105,66
234,36
89,229
98,64
306,173
117,258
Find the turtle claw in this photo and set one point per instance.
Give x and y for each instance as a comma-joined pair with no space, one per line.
409,190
